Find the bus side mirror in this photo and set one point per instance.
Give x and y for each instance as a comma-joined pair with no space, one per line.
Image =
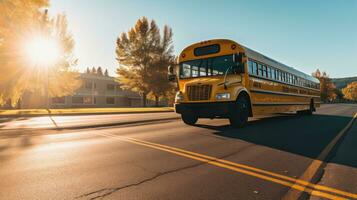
171,76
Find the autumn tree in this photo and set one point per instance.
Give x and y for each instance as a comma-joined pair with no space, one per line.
21,22
143,57
350,91
327,88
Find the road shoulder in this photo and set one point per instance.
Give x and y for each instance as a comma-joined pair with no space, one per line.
341,171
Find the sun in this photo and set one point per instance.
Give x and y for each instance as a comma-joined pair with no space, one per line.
42,51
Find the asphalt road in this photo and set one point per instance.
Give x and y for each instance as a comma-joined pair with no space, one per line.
166,159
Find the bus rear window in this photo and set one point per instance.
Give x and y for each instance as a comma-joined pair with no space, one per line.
206,50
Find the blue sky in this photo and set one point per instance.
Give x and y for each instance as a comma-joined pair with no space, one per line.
302,34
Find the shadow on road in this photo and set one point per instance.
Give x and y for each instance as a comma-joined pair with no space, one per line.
3,121
14,144
303,135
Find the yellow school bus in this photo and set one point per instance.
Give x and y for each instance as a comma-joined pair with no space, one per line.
223,79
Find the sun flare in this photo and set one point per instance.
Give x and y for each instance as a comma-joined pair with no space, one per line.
42,51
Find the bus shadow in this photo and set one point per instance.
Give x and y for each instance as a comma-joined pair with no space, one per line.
302,135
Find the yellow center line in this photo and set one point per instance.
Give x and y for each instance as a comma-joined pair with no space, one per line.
263,174
302,182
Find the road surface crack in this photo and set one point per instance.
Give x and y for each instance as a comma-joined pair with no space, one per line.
108,191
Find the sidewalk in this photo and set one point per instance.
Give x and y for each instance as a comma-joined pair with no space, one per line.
79,111
82,121
341,171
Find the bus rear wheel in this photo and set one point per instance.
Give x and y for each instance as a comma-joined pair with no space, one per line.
240,113
311,108
308,111
189,119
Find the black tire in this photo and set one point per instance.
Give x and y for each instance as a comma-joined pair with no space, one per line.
240,113
189,119
311,109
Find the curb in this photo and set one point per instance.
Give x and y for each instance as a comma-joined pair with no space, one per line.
94,125
80,114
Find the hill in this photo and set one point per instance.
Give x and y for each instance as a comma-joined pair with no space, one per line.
343,82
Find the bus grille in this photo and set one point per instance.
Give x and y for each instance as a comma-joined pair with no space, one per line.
199,92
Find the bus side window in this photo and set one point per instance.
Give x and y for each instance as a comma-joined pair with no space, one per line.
255,68
282,78
269,72
260,70
273,73
264,71
250,63
289,78
278,75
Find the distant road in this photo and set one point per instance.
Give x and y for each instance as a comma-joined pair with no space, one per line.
166,159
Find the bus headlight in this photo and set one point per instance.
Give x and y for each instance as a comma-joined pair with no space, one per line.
223,96
179,97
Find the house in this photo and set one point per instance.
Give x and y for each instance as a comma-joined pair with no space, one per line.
98,91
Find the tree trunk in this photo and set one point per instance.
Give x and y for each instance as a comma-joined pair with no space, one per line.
156,101
144,99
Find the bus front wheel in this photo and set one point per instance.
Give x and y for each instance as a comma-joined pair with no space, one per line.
189,119
239,115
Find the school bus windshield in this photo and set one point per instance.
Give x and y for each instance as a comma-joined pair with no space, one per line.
207,67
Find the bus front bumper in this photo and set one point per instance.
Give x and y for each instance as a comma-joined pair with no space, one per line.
206,110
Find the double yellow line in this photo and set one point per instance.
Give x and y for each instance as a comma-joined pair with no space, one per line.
296,184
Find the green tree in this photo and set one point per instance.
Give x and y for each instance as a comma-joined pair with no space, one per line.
142,55
20,22
160,87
